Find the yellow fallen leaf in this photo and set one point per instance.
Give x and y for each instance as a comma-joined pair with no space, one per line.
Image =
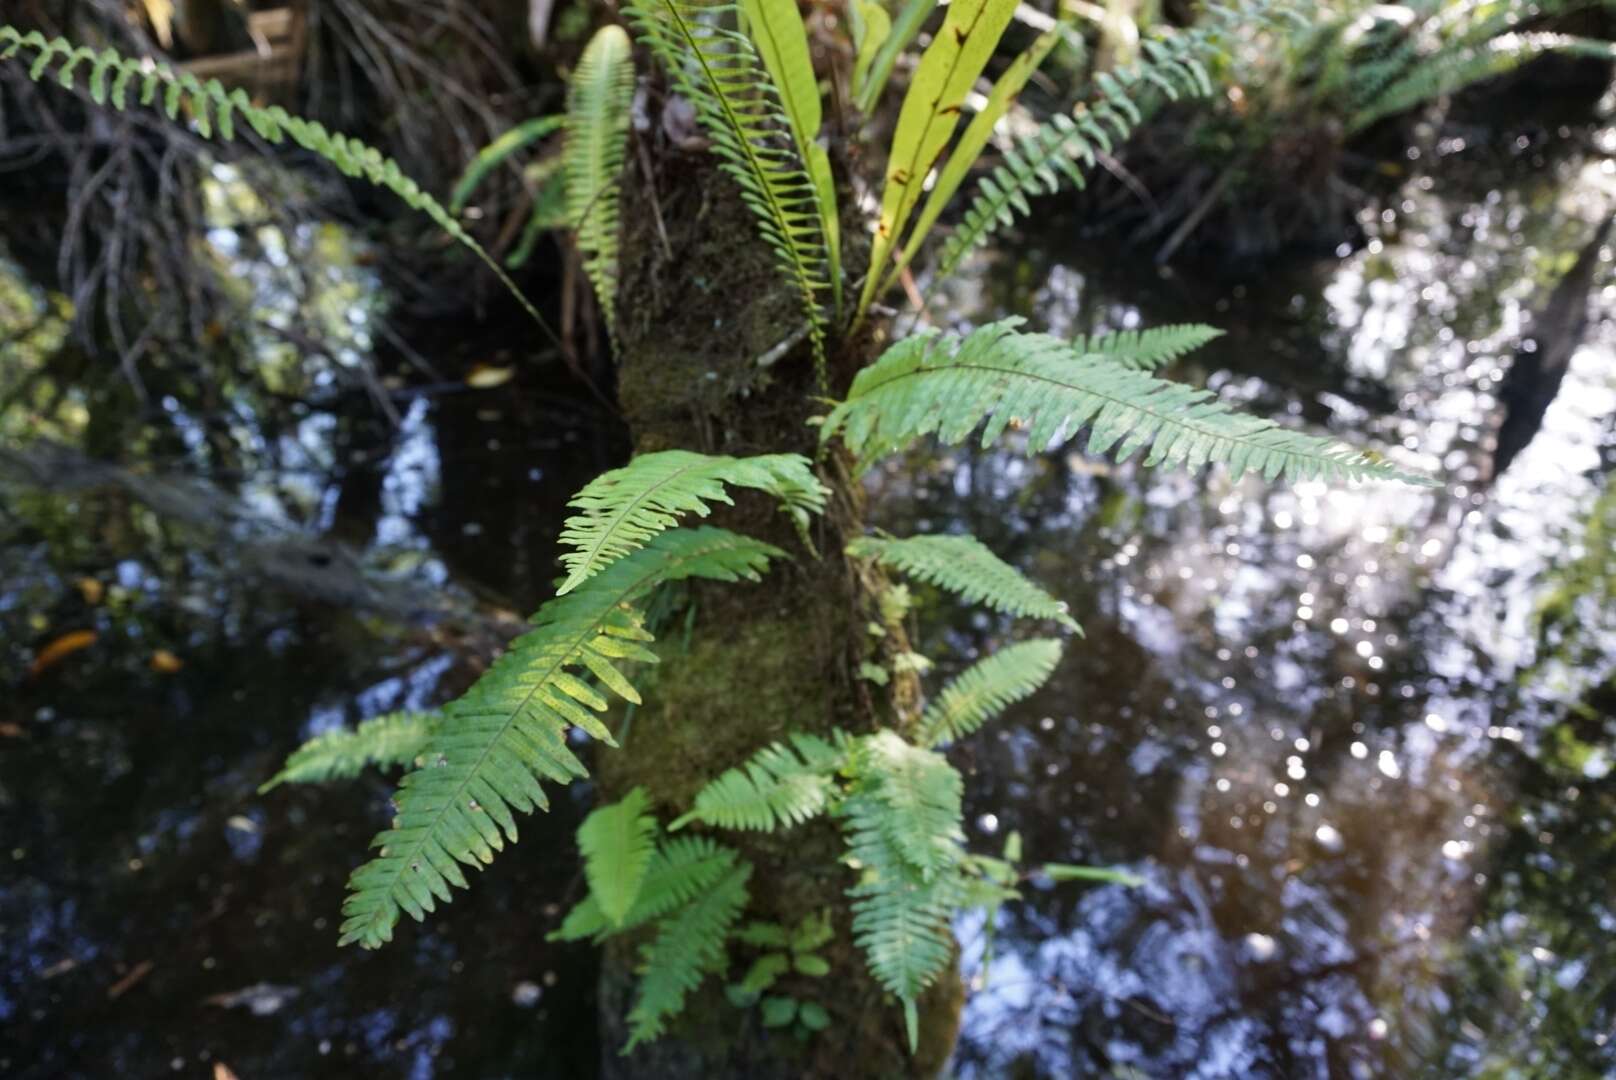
91,589
165,663
221,1071
486,377
62,647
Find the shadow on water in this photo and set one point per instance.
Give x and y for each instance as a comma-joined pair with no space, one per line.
1356,741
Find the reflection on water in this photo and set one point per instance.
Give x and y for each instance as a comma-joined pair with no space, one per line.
1370,797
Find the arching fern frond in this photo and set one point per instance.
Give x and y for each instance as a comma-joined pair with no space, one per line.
214,110
509,731
966,567
617,842
780,786
995,376
620,510
986,689
498,152
598,98
1147,350
681,869
718,70
688,942
385,741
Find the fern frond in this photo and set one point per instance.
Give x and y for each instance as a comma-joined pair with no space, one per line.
498,152
780,786
901,913
986,689
948,385
681,869
687,944
620,510
1147,350
1453,70
719,72
509,731
214,111
921,792
617,842
598,99
385,741
965,566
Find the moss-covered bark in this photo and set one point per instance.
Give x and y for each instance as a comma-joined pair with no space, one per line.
700,302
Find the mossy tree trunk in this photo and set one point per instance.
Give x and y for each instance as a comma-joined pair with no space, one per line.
700,301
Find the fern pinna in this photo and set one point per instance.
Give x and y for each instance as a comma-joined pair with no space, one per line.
213,111
386,741
739,107
508,732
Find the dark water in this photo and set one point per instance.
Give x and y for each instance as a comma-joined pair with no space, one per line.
1366,782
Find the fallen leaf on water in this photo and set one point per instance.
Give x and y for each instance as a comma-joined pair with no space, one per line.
242,823
262,999
9,730
61,648
61,967
123,985
221,1071
165,663
91,589
486,376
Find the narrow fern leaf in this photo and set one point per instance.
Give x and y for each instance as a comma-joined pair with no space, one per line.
1147,350
966,567
509,731
871,26
385,741
948,69
215,109
986,689
619,511
617,842
738,105
498,152
899,33
962,158
598,99
949,386
780,786
681,869
688,943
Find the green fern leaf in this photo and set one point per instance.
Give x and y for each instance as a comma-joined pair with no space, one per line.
737,104
498,152
948,385
681,869
1147,350
987,688
385,741
780,786
622,509
598,99
688,943
902,911
214,111
966,567
617,842
509,730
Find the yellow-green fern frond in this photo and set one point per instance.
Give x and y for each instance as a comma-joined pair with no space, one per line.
509,731
499,151
214,110
966,567
598,99
738,106
680,870
385,741
986,689
949,386
620,510
1146,350
617,842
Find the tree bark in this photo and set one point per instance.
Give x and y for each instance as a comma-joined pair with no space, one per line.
701,301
